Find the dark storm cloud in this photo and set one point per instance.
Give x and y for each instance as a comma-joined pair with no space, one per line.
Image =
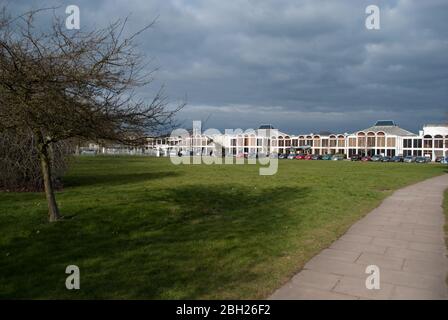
301,65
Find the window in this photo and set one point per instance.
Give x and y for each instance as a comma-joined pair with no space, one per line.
417,143
391,142
391,153
427,143
370,141
352,142
324,143
361,139
332,143
407,143
295,142
361,142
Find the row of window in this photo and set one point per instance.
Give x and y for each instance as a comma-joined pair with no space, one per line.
425,143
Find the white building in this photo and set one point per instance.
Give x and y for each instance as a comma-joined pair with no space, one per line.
383,138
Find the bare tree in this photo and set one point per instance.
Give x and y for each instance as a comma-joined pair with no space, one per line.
70,84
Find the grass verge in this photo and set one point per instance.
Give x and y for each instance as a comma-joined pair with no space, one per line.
143,228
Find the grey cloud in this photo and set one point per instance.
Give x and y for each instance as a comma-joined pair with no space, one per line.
301,65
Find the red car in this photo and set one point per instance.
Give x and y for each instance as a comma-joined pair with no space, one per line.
366,158
309,157
300,156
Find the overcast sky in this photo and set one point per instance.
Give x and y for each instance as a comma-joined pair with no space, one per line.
304,66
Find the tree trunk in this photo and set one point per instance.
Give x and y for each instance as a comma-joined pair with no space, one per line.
53,211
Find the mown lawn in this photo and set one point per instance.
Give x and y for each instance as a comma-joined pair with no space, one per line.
445,206
144,228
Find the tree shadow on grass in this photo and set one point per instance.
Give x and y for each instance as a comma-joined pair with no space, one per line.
116,179
208,239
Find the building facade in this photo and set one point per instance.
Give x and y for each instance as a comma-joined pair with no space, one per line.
383,138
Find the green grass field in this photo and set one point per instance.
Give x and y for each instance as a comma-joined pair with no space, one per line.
144,228
445,206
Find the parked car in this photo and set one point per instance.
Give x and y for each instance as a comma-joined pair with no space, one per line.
88,152
439,159
291,156
355,157
337,157
366,158
444,160
386,159
316,157
397,159
376,158
422,160
300,157
282,156
308,157
409,159
327,157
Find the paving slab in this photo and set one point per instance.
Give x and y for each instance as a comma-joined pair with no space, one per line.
403,237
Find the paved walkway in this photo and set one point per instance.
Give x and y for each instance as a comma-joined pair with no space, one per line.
404,237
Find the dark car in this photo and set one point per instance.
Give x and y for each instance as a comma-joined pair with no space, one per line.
316,157
355,157
397,159
376,158
439,159
422,160
386,159
282,156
